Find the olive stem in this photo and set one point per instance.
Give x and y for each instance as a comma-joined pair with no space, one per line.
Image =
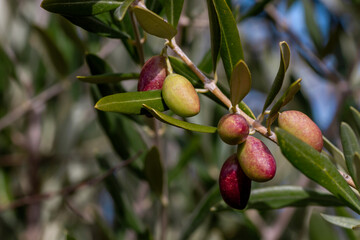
212,87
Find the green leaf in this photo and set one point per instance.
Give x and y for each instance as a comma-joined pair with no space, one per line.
154,24
231,50
178,123
240,82
345,222
279,79
121,11
356,163
215,33
70,237
335,152
154,171
312,24
181,68
108,77
124,211
205,64
97,65
131,102
52,50
80,7
356,115
201,212
350,145
290,196
173,10
100,24
285,99
316,167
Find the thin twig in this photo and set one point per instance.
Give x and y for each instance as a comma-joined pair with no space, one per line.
33,199
213,88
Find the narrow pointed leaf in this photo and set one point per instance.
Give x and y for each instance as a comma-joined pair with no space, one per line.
154,24
100,24
108,78
206,64
122,9
173,10
181,68
240,82
231,50
201,212
153,170
285,99
215,34
255,10
316,167
279,79
178,123
356,115
80,7
290,196
335,152
350,145
345,222
131,102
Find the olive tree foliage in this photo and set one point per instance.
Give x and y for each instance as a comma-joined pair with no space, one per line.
85,155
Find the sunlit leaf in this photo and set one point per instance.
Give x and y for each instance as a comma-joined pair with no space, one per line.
345,222
108,78
350,145
316,167
240,82
154,24
122,9
279,79
178,123
356,115
215,33
153,170
201,212
80,7
131,102
231,50
173,10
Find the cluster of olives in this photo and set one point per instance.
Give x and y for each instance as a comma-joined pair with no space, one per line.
178,93
254,161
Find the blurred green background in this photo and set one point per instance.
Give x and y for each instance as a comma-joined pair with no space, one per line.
50,136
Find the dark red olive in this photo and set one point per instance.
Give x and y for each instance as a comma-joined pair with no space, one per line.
234,185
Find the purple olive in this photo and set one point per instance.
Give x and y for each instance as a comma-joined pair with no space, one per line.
302,127
153,74
235,186
233,129
256,160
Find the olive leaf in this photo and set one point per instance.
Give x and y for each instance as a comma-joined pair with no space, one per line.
285,99
131,102
215,33
230,49
178,123
351,146
335,153
279,79
316,167
108,78
173,10
240,82
80,7
154,24
345,222
120,12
